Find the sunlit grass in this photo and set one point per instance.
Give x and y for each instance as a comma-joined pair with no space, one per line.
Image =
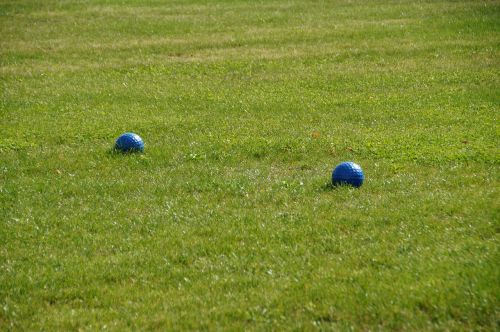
228,220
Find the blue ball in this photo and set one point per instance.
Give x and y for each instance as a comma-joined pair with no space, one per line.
348,173
129,142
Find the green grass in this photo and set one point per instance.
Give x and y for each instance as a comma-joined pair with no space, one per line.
228,221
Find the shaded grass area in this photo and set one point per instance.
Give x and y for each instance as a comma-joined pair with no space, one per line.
228,220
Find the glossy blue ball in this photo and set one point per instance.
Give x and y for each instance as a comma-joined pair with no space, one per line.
348,173
129,142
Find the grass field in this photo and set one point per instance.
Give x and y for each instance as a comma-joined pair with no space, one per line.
228,220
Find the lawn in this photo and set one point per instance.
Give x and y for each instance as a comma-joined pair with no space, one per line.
228,220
